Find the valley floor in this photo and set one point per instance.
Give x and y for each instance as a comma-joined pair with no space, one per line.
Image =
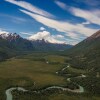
41,70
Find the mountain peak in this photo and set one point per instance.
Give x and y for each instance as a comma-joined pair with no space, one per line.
9,36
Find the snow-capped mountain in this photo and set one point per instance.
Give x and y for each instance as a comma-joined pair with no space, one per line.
16,41
9,36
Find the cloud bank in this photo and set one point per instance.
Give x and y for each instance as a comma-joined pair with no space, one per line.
47,37
60,25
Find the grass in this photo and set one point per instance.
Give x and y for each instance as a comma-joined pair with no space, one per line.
36,70
55,58
25,70
72,97
74,70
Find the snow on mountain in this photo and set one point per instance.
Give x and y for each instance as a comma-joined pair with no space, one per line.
9,36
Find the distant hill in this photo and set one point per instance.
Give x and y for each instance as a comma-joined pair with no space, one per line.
42,45
86,54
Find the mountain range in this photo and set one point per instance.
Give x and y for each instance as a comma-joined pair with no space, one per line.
83,53
13,44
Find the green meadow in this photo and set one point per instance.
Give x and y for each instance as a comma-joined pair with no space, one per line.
33,72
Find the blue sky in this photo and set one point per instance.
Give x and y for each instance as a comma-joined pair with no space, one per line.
57,21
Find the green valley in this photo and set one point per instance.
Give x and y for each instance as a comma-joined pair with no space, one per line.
37,71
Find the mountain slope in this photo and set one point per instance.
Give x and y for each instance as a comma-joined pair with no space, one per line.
86,54
42,45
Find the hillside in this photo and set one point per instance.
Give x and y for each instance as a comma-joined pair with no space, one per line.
42,45
86,54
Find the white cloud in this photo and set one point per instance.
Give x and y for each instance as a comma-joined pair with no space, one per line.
61,26
3,31
85,23
47,37
26,33
42,28
40,35
61,5
89,2
18,19
30,7
90,16
14,19
73,35
60,36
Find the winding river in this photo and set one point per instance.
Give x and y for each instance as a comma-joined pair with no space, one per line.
9,95
8,92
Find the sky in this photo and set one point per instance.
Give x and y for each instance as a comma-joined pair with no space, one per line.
57,21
